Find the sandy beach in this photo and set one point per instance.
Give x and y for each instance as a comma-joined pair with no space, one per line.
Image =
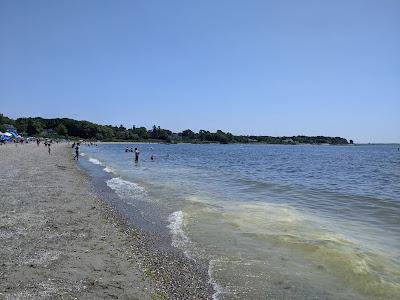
60,240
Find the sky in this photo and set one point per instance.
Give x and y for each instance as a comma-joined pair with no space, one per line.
248,67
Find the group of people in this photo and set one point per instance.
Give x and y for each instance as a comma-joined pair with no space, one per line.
77,145
137,153
47,144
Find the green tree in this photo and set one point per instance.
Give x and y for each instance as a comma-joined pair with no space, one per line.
142,132
34,127
61,129
22,124
5,121
188,134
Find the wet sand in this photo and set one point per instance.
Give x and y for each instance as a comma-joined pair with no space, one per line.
60,240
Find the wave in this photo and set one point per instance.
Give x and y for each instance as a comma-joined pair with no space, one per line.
95,161
218,290
82,154
109,169
179,238
126,189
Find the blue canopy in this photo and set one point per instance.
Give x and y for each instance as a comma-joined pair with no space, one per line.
4,138
14,134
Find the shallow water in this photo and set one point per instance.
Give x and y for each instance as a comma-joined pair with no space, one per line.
286,222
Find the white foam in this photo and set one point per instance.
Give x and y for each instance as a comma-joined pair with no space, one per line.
126,189
179,238
82,154
218,290
109,169
95,161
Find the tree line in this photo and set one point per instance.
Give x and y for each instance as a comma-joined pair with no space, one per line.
74,129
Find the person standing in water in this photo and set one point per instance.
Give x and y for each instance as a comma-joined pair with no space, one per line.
137,155
49,148
76,152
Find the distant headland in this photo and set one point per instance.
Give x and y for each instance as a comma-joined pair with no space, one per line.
65,128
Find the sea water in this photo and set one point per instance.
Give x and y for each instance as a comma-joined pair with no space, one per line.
272,221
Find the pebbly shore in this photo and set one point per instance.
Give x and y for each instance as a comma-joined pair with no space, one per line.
58,239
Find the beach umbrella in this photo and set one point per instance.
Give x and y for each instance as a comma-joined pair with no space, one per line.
5,138
13,133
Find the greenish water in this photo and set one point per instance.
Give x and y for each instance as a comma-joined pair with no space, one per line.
275,222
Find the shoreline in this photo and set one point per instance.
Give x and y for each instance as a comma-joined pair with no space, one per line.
60,239
181,276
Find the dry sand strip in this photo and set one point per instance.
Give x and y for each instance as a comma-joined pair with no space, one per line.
57,240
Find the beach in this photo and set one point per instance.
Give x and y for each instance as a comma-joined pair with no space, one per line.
58,239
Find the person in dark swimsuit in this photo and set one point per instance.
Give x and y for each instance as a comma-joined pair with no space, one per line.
137,155
76,152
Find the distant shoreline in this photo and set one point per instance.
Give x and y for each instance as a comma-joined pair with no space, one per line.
65,128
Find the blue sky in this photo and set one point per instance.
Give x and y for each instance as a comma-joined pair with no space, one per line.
248,67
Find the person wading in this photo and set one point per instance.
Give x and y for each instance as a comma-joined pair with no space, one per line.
136,155
76,152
